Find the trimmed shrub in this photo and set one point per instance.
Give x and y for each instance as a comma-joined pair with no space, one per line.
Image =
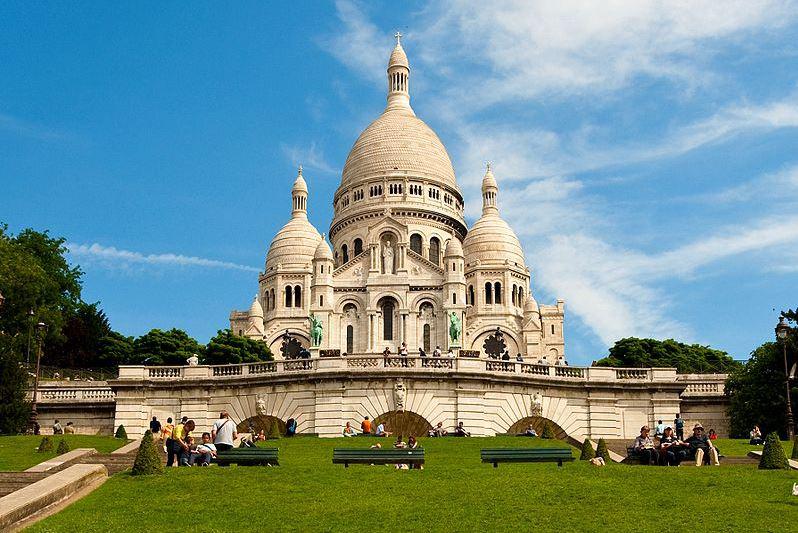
773,457
587,451
548,432
147,460
120,432
602,451
795,448
63,447
274,431
46,445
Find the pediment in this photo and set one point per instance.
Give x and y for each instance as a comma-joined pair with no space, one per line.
387,222
354,272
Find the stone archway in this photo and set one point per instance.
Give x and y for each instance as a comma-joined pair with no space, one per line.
538,422
261,422
404,423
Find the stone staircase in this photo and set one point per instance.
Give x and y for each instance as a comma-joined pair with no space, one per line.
115,463
11,481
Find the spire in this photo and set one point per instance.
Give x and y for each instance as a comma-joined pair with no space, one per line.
299,196
398,77
490,192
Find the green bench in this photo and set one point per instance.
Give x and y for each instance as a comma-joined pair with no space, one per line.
526,455
374,456
248,457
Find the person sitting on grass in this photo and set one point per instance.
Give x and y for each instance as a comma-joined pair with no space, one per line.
644,447
756,437
438,430
701,448
712,435
381,432
261,436
399,442
69,429
671,450
203,453
460,431
365,426
57,429
529,432
349,431
290,427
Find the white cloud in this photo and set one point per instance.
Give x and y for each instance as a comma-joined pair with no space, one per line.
111,257
310,157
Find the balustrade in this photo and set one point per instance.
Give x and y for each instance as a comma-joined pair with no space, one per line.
631,373
159,372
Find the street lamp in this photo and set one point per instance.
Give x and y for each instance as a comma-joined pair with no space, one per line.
782,329
30,332
41,328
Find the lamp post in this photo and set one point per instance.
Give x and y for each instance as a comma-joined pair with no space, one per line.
782,329
41,328
30,332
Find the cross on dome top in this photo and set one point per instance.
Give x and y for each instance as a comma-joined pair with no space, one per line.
398,36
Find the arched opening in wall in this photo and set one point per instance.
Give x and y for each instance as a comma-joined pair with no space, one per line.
497,292
435,250
388,309
537,423
416,243
388,252
515,294
471,294
297,296
260,422
427,338
344,253
520,296
404,423
350,339
358,247
288,296
488,293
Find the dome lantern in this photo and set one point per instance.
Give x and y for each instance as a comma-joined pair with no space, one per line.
490,193
299,196
398,77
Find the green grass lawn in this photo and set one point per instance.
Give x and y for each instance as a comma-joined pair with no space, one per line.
18,452
740,447
455,492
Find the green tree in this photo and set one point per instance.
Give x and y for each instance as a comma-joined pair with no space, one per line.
147,460
632,352
84,331
14,409
46,445
63,447
115,349
226,348
158,347
548,431
602,451
120,432
587,451
773,457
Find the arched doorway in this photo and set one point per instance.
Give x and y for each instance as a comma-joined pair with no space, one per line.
538,423
261,422
404,423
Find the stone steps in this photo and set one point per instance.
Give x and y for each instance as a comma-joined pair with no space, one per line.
12,481
113,462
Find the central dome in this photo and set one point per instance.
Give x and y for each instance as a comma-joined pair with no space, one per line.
398,141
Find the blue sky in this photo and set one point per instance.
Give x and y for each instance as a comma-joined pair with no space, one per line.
646,152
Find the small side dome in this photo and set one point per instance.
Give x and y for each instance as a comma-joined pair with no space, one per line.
323,251
489,180
398,57
531,305
294,245
453,248
255,310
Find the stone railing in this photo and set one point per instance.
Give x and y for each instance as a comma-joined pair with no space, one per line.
398,365
703,384
85,393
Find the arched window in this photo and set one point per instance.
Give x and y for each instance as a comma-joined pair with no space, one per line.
435,250
471,294
350,339
387,320
345,253
358,246
520,296
515,294
273,301
240,332
415,243
488,293
497,292
297,296
454,298
288,296
552,329
321,300
426,340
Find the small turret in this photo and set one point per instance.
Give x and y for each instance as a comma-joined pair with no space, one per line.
398,77
299,196
255,319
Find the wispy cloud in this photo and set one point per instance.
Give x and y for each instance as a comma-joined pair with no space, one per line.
111,257
310,157
26,128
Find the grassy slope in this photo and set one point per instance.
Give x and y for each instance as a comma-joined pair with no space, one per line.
19,452
454,492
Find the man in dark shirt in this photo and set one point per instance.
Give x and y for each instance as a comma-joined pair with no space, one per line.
155,427
701,447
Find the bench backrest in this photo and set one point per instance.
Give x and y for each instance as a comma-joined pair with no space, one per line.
369,453
532,453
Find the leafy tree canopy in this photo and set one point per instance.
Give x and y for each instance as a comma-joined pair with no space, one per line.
227,347
632,352
14,409
158,347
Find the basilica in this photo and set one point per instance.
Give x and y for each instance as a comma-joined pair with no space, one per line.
401,264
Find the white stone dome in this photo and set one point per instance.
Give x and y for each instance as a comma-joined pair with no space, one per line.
453,248
492,241
398,141
255,310
294,245
323,250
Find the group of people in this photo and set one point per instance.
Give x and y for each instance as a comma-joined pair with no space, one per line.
181,447
440,431
404,352
366,428
671,448
58,429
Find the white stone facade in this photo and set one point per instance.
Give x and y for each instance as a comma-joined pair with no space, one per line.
402,260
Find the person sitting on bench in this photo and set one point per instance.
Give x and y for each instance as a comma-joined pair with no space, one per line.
644,447
701,448
203,453
671,450
460,431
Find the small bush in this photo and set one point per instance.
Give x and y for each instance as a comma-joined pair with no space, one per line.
795,448
587,451
147,460
602,451
46,445
120,432
773,457
274,431
548,432
63,447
